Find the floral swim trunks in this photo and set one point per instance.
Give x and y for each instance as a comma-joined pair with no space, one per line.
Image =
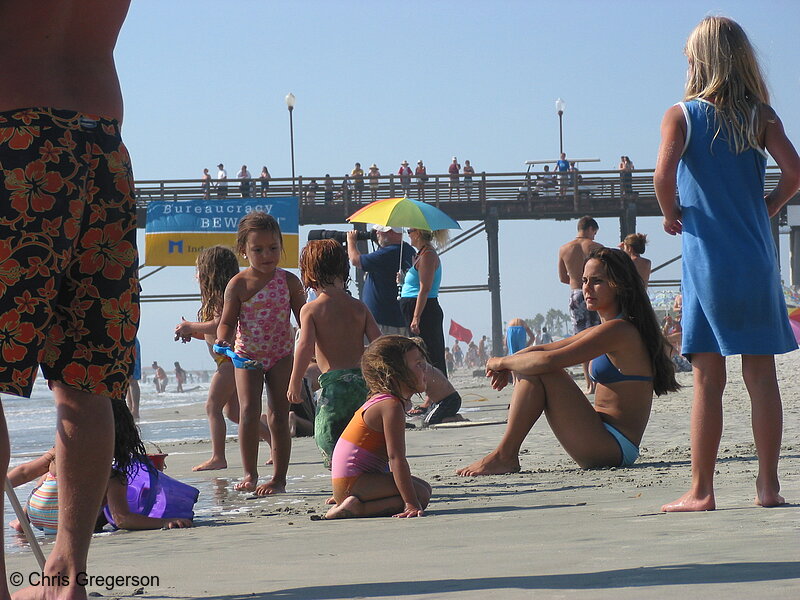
69,291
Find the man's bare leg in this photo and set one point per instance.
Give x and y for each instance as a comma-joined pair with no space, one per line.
706,431
5,454
84,450
527,405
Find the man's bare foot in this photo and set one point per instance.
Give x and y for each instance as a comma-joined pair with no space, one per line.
689,502
212,464
270,488
767,495
349,508
491,464
330,500
246,484
16,526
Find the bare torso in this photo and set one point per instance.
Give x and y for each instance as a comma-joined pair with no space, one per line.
60,54
437,386
572,256
339,326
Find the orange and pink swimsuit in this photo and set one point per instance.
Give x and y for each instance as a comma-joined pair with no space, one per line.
359,450
264,332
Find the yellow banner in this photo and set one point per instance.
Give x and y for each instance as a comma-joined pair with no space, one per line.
165,249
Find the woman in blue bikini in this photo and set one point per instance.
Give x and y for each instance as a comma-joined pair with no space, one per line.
630,364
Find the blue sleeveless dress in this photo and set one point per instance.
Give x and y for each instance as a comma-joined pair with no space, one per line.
732,296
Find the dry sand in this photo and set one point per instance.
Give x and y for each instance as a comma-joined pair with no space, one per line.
551,531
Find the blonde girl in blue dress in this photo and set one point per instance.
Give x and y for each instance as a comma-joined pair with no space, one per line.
713,151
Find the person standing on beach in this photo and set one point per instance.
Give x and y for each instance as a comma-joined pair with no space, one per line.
381,267
255,321
332,329
63,158
453,170
713,152
222,182
160,378
571,258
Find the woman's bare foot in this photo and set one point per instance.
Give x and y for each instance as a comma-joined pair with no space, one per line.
767,495
212,464
16,526
330,500
246,484
491,464
270,488
349,508
689,502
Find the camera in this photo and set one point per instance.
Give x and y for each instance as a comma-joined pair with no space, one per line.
340,236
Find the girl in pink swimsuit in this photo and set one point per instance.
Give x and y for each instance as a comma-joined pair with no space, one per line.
255,321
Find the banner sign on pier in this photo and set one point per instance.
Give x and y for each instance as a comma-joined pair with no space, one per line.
177,231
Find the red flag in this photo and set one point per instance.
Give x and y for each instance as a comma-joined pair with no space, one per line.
461,333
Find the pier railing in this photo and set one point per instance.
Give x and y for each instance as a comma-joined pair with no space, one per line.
515,195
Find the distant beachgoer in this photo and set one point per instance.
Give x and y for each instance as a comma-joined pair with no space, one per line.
562,168
630,364
215,268
374,181
421,174
571,259
545,338
482,355
180,376
332,329
405,177
258,304
246,180
625,175
518,335
468,172
633,245
328,189
160,378
311,192
134,391
358,181
205,184
264,179
370,472
222,182
713,153
454,170
458,355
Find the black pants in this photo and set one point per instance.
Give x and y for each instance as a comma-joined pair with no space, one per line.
430,328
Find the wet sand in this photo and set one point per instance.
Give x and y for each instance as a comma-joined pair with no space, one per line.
550,531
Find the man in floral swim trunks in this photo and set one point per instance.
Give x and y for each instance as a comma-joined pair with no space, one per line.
69,294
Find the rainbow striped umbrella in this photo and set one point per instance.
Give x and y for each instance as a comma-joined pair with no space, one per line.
404,212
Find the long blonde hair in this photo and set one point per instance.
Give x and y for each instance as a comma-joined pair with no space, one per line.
724,70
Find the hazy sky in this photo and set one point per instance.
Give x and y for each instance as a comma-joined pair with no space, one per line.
204,82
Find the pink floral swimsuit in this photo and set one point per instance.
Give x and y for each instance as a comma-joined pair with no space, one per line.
264,332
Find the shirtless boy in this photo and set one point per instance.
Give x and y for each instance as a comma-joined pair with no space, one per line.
62,96
571,259
332,328
442,401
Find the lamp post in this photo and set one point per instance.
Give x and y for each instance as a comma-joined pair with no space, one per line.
560,106
290,100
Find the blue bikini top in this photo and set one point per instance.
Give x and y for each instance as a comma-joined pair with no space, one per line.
603,371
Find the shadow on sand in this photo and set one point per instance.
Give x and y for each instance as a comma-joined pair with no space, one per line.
668,575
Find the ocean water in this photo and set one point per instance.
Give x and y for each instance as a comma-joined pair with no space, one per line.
32,426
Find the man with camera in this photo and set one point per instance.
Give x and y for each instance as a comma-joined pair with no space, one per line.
380,284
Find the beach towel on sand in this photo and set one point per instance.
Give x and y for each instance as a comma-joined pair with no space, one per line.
343,392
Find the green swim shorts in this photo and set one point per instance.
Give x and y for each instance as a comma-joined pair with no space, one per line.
343,392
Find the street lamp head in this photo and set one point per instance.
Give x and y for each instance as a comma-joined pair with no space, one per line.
290,100
560,106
